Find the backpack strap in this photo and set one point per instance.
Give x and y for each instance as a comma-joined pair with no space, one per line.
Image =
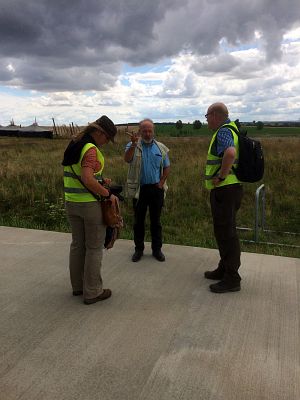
237,131
231,127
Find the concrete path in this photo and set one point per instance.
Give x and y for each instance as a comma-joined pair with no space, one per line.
162,336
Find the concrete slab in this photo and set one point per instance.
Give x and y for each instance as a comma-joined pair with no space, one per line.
163,335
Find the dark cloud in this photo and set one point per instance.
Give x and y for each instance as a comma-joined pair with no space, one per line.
80,45
211,65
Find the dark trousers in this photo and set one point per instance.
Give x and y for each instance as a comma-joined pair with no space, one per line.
225,202
153,197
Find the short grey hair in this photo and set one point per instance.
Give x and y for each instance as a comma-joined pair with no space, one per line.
146,120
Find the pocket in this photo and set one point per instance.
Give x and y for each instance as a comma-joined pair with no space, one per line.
130,189
157,160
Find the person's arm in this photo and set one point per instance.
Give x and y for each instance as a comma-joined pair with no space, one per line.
87,177
227,161
131,149
89,165
164,176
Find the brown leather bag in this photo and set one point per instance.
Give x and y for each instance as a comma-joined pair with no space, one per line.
111,215
112,219
112,234
111,212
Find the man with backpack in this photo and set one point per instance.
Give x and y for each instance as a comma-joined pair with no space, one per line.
226,193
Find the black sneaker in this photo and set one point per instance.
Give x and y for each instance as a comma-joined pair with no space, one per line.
159,255
223,287
216,274
138,254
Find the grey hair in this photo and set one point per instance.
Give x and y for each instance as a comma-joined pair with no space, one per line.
146,120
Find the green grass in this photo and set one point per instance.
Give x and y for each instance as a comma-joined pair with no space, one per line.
163,130
31,192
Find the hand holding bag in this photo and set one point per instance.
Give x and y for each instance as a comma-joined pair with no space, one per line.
111,215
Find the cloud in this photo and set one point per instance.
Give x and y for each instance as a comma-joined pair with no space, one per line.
166,60
182,89
78,46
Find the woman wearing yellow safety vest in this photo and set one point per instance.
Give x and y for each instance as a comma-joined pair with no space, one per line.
83,166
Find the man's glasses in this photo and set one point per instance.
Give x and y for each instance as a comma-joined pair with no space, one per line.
206,115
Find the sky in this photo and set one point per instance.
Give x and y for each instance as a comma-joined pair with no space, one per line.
75,60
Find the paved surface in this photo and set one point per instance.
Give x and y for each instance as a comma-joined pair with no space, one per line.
163,335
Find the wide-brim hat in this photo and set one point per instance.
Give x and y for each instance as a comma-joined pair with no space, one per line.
109,128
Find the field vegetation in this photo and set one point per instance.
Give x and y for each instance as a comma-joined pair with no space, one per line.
31,192
163,130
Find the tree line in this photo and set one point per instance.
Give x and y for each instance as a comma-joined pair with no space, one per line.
197,124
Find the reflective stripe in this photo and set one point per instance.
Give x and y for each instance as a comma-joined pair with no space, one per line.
213,162
211,176
216,162
71,175
75,190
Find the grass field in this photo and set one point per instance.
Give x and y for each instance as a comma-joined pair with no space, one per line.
187,130
31,193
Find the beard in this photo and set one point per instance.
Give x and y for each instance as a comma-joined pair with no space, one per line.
147,141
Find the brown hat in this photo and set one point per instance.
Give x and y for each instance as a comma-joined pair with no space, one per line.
108,126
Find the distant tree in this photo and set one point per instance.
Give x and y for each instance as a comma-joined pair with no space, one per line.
259,125
197,124
179,124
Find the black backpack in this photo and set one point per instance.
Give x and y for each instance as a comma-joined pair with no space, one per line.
251,158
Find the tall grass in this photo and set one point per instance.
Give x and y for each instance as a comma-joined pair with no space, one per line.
31,192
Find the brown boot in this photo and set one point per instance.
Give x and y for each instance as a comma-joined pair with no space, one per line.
103,296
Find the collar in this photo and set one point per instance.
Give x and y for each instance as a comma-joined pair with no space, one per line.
147,144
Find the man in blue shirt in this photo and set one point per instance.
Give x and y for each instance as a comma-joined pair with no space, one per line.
149,167
226,194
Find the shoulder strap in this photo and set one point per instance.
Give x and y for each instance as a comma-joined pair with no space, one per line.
231,127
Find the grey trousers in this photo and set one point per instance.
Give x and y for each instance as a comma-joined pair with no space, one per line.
86,250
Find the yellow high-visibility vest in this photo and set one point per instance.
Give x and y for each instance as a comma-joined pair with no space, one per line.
74,190
213,162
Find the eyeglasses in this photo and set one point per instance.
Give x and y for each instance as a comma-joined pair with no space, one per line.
206,115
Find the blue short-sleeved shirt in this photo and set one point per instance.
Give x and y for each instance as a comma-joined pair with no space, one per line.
151,163
224,139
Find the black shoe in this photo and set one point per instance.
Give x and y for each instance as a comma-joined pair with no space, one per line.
159,255
223,287
77,292
216,274
138,254
103,296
